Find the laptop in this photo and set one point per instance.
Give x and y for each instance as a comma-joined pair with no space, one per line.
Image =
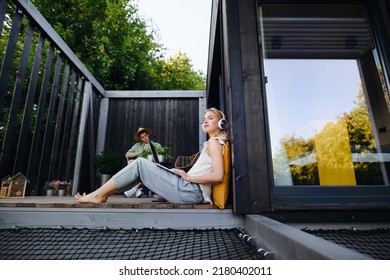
156,160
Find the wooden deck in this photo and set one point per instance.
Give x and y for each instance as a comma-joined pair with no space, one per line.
115,201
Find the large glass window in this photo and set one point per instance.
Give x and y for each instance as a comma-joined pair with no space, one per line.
328,104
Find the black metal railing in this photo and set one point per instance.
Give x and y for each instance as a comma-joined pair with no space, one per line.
48,101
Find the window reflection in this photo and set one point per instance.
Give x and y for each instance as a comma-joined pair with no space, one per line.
328,106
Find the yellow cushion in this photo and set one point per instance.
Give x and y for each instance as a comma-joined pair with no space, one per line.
221,190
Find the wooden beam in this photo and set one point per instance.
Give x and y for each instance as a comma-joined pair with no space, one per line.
255,112
3,10
81,136
213,40
116,218
54,166
102,125
9,56
244,92
234,91
145,94
202,135
45,164
91,138
32,167
73,130
8,150
20,156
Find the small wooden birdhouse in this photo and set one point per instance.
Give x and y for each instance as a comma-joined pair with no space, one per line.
5,187
18,186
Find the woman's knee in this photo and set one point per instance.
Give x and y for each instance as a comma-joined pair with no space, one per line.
142,161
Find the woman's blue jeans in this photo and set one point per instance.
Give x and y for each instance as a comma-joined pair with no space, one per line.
164,183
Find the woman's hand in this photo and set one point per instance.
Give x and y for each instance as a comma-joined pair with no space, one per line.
181,172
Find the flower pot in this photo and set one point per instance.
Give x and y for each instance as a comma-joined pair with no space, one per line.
49,192
61,192
161,158
104,178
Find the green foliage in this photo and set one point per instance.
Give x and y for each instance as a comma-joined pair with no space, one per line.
160,150
177,73
297,148
145,153
117,46
362,141
164,151
108,162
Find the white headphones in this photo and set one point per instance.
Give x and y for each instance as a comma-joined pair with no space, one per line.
222,123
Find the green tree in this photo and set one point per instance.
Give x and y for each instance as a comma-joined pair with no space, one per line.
116,45
361,141
177,73
296,149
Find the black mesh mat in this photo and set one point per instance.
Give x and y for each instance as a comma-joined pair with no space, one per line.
114,244
374,243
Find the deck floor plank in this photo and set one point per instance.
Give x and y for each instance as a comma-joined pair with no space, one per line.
115,201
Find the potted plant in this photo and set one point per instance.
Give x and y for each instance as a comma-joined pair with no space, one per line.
146,153
163,153
49,189
62,187
55,187
108,163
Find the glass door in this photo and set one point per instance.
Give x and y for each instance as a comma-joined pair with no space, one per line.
328,104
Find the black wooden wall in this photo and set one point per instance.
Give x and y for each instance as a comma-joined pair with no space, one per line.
175,123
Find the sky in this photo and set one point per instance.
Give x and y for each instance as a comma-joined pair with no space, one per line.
303,95
183,25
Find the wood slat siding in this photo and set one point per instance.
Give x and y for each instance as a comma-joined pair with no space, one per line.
175,123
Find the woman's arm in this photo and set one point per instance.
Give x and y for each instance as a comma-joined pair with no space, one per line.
216,176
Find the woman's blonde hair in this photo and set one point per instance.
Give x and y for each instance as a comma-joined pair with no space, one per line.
222,133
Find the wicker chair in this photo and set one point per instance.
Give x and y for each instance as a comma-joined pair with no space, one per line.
186,162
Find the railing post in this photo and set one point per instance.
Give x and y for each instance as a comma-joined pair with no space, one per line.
102,128
81,135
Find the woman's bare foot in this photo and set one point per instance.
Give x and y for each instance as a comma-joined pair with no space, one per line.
90,198
100,195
